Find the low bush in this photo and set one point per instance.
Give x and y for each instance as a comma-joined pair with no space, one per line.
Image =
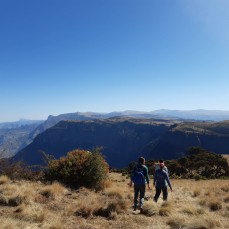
17,171
79,168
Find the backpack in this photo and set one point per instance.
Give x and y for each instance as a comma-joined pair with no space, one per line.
138,176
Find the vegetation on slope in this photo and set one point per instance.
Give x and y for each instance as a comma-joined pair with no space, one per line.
192,204
79,168
199,163
48,204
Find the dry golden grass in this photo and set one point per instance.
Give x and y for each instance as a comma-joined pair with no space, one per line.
150,209
4,179
226,199
53,191
196,192
192,205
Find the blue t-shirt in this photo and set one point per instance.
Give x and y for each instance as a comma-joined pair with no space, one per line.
144,170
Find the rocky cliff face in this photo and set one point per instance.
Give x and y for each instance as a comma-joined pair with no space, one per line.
212,136
125,139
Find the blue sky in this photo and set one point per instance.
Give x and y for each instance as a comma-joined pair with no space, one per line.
59,56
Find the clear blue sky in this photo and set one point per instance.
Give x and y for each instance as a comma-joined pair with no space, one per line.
61,56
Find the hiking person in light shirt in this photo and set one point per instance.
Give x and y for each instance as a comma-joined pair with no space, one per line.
157,166
140,178
161,180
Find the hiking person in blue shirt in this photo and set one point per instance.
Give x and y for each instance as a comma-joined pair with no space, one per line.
161,180
140,178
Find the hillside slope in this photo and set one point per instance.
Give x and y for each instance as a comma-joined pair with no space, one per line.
13,139
212,136
123,139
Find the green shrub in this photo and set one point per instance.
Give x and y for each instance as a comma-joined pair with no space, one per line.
79,168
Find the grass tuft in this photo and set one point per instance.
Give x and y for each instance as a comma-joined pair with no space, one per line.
15,201
215,205
53,191
226,199
196,193
166,209
4,179
150,209
225,188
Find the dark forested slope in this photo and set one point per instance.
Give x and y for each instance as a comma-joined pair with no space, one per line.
125,139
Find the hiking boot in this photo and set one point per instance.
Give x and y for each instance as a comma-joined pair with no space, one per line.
141,210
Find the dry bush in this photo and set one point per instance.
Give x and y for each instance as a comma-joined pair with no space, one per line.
213,222
115,192
215,205
3,200
166,209
17,193
202,202
108,184
91,204
30,213
9,189
16,200
176,221
113,215
206,221
56,225
190,209
150,209
87,202
226,199
4,179
113,206
197,223
53,191
208,193
226,213
84,211
196,193
11,223
225,188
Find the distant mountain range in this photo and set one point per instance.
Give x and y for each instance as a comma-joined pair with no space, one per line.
13,138
195,115
20,123
203,115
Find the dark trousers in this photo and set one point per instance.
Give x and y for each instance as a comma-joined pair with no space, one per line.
139,189
158,192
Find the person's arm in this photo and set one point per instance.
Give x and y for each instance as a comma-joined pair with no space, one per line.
168,181
166,170
146,176
131,175
155,178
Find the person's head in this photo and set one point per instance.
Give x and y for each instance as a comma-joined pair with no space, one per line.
141,160
161,161
161,164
